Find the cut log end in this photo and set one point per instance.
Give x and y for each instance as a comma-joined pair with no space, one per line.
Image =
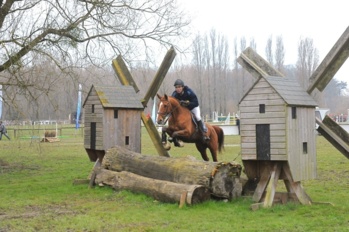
226,181
198,195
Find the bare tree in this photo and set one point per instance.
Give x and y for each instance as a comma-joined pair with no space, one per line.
78,33
269,50
243,72
279,54
308,60
208,59
253,44
198,61
213,79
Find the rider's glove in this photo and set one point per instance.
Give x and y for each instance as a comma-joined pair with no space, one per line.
184,103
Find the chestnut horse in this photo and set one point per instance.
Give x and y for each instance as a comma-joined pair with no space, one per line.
181,127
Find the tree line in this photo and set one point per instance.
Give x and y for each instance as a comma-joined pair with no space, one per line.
44,57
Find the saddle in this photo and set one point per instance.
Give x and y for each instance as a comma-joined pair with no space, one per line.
194,121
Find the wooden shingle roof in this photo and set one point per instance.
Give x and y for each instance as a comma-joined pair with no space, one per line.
118,97
290,90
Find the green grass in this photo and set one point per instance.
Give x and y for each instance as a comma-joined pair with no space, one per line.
37,194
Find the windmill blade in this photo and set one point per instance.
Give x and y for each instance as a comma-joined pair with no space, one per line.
125,78
160,75
123,73
335,134
256,65
331,63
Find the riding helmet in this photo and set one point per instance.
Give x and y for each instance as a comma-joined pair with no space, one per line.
179,82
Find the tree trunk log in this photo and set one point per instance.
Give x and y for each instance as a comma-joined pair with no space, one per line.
222,179
160,190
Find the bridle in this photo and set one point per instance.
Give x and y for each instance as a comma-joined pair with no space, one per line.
167,114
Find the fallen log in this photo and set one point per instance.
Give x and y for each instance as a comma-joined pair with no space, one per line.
160,190
221,178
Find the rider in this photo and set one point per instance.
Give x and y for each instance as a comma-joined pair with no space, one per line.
188,98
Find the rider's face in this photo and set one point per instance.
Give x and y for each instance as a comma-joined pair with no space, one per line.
179,88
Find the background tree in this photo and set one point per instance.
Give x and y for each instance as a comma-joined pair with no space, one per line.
308,60
71,34
279,54
269,50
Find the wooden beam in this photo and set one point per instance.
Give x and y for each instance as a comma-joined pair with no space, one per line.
125,78
265,176
331,63
295,187
271,188
335,134
123,73
93,173
154,135
159,76
256,65
265,194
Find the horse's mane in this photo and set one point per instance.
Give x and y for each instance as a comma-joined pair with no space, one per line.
174,100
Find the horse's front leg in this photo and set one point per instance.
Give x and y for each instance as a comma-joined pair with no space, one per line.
177,135
163,136
164,132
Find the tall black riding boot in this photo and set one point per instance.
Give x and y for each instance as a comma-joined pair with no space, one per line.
203,130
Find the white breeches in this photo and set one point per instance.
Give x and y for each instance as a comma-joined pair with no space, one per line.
197,113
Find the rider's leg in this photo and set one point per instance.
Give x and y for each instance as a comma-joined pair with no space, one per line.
201,124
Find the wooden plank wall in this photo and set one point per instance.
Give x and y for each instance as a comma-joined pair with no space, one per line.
128,124
275,113
97,117
300,130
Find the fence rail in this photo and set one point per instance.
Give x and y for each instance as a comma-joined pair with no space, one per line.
40,132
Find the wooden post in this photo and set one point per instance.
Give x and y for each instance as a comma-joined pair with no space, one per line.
265,194
154,135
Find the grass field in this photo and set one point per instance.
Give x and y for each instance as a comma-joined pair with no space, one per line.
37,194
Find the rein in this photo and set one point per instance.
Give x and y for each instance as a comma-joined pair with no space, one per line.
167,115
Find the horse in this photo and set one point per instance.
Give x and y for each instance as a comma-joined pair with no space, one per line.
182,127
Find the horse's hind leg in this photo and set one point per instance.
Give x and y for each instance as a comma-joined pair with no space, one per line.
214,154
202,149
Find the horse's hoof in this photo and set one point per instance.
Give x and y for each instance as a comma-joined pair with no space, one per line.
180,144
170,139
167,146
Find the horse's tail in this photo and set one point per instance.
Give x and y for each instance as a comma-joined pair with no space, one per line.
220,135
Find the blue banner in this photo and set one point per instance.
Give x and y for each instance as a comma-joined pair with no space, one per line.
78,110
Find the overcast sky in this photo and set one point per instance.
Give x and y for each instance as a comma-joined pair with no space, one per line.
323,21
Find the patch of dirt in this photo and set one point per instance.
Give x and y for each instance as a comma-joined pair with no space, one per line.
6,167
3,163
36,211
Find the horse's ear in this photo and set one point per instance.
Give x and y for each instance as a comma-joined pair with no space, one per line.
166,96
158,96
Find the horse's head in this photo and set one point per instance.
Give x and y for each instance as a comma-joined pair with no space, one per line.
164,109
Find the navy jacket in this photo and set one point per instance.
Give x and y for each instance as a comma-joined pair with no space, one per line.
187,94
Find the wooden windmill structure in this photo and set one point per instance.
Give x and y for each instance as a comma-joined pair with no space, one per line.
277,124
126,79
113,114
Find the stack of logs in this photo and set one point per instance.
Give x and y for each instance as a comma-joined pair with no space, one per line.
183,180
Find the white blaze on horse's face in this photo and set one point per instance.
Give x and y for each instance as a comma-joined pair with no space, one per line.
159,118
